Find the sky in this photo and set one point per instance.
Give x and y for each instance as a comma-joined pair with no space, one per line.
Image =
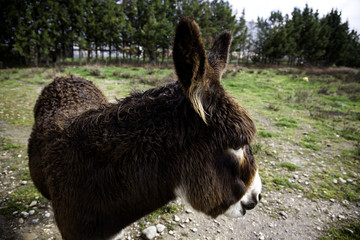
350,9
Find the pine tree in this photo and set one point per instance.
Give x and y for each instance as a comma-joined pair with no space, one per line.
337,34
242,36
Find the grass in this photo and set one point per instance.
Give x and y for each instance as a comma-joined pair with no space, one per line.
289,166
284,182
267,134
287,122
164,212
323,186
20,199
8,145
348,231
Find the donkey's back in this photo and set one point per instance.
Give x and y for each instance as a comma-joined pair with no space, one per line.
64,98
59,102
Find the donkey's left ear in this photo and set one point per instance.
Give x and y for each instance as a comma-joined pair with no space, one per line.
219,52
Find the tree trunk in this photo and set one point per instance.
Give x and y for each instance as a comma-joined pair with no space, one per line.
63,54
96,54
117,56
102,54
88,55
109,53
72,53
80,57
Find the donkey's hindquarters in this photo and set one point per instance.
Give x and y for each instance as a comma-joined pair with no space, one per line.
59,102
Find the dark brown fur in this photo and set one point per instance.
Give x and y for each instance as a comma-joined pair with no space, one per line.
106,165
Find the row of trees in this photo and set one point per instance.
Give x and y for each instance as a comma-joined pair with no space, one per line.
305,38
46,31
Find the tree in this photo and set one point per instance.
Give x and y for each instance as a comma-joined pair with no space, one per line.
312,39
242,36
337,38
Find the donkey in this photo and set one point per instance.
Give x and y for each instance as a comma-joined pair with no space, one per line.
104,165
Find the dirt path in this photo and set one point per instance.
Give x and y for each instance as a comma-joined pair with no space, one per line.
17,134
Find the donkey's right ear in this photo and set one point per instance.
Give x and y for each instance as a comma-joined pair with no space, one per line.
188,53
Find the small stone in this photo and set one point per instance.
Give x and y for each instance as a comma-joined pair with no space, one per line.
332,200
24,214
21,221
32,212
342,180
349,231
16,212
19,156
349,180
160,228
194,229
341,217
36,220
335,181
33,203
328,145
47,215
29,236
188,211
283,214
171,232
149,232
23,182
182,225
187,220
176,218
318,228
262,238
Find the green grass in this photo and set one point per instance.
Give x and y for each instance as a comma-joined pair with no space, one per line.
323,186
8,145
287,121
310,146
267,134
163,212
349,231
289,166
20,199
284,181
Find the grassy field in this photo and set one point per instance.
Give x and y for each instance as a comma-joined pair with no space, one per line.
312,115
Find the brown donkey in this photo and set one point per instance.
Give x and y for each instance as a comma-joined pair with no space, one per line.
103,165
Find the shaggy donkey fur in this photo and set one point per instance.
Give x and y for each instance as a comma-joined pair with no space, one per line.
105,165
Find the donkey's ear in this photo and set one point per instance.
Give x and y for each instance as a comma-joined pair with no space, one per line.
188,53
219,53
190,62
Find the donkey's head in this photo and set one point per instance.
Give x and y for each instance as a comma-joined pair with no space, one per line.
234,184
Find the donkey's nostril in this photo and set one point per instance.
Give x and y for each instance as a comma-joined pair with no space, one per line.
259,197
249,206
